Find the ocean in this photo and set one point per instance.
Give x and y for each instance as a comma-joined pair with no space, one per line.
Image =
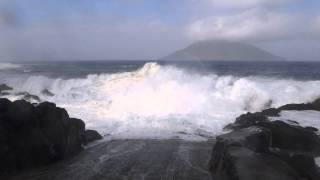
163,100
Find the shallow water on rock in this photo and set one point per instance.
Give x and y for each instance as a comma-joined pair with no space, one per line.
131,159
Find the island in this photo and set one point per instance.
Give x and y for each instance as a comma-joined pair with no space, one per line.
221,51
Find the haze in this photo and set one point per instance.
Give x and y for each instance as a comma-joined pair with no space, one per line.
151,29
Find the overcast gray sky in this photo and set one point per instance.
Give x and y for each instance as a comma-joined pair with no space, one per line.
150,29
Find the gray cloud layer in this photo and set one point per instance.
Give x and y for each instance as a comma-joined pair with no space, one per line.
109,36
255,25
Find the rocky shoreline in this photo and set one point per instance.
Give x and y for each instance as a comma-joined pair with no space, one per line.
260,149
256,147
33,135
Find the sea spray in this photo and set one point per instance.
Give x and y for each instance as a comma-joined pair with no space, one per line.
159,101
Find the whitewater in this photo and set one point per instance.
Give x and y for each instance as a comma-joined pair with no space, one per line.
161,101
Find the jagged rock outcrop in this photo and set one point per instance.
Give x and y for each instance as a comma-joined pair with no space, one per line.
260,149
315,105
32,136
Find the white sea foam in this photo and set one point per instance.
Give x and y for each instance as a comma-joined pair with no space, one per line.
4,66
317,160
304,118
163,101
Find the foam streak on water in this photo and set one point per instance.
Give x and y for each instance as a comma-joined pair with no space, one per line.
165,101
6,66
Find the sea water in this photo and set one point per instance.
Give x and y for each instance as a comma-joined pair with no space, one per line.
141,99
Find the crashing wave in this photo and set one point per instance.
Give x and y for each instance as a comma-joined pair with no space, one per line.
165,101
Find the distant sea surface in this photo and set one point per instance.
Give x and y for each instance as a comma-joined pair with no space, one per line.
141,99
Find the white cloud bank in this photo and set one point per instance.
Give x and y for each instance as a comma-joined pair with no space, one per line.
254,25
245,3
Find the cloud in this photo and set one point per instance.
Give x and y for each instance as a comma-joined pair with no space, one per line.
253,25
317,25
139,29
245,3
97,37
29,32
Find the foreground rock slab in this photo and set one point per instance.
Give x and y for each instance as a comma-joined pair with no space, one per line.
131,159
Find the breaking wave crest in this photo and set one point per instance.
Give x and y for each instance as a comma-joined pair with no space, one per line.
4,66
165,101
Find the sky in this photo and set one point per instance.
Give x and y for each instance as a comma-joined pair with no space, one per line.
151,29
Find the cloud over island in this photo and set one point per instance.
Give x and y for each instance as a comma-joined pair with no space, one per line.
141,29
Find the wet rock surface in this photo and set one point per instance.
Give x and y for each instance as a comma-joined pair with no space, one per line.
4,87
91,135
315,105
28,97
47,92
39,141
131,159
260,149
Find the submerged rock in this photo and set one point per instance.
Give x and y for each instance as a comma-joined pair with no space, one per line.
47,92
4,87
32,136
28,97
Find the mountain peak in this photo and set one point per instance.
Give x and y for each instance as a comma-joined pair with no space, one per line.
222,51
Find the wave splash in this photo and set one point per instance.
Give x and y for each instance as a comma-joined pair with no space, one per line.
165,101
6,66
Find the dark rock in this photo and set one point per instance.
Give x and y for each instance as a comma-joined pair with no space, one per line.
76,132
285,136
55,125
247,120
32,136
242,155
240,163
28,97
262,153
47,92
303,164
4,105
293,138
275,150
316,102
315,105
4,93
291,122
91,135
4,87
271,112
20,113
255,138
312,129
